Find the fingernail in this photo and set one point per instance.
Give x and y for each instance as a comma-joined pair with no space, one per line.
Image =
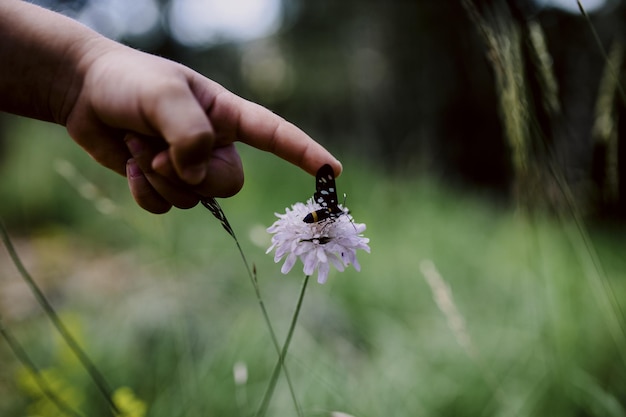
132,169
194,174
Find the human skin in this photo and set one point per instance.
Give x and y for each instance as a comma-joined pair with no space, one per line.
167,128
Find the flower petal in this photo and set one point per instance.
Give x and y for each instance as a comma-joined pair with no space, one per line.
317,245
322,273
289,263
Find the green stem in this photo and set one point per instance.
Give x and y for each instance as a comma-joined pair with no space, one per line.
214,207
89,366
283,353
608,61
266,317
41,382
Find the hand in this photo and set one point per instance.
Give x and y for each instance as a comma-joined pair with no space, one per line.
171,131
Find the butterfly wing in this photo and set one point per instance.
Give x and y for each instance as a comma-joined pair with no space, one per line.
326,191
325,195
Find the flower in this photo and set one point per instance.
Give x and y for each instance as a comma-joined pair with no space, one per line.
129,405
331,241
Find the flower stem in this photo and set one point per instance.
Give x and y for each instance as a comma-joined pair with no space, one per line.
269,391
268,322
214,207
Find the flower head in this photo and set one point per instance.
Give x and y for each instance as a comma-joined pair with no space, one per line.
331,241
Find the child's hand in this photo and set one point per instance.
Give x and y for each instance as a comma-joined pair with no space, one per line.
183,127
167,128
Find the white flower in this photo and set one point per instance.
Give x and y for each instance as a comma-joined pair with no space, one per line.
330,241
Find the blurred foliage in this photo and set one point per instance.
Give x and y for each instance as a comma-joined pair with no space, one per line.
465,307
169,311
413,86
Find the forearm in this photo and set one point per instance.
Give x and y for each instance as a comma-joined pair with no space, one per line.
43,58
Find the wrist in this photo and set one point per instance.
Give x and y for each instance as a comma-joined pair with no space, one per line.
45,59
72,72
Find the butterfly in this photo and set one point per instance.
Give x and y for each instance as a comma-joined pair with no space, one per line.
326,196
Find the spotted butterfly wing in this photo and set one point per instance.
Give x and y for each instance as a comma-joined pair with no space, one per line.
325,195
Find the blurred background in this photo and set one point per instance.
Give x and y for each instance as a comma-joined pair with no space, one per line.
482,143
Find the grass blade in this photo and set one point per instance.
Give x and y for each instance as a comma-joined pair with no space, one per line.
41,382
213,206
283,353
86,362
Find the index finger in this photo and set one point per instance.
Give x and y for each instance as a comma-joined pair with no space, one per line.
257,126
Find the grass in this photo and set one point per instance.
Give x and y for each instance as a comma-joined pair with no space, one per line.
162,304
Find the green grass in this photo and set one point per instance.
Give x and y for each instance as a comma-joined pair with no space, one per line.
163,304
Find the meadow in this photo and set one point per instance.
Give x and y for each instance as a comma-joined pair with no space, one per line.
466,306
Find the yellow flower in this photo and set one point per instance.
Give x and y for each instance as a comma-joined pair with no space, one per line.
128,404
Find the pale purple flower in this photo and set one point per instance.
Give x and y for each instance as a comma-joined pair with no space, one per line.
318,245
